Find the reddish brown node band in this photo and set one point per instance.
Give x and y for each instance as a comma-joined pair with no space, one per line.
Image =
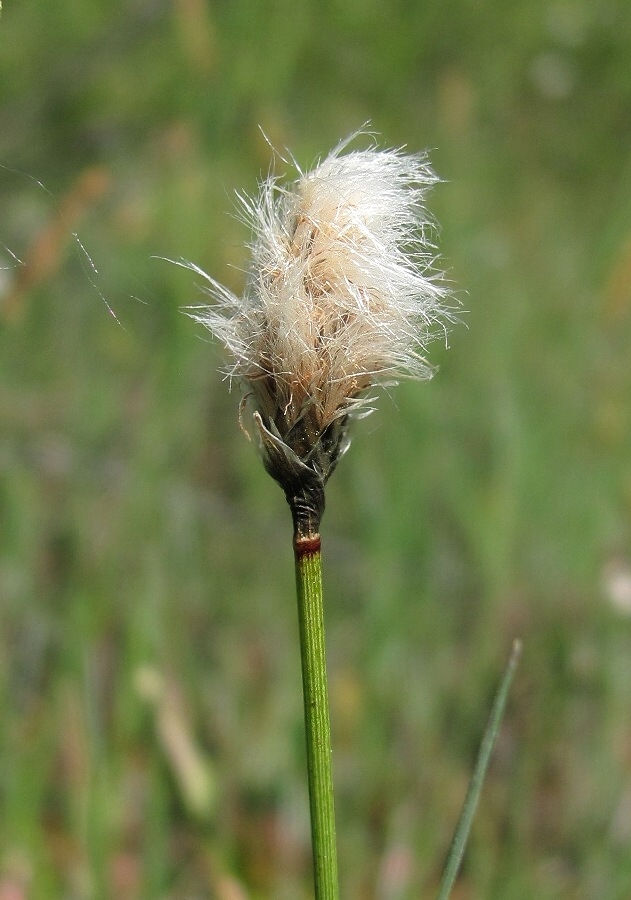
307,546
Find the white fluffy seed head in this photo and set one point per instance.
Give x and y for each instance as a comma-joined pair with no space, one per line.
342,293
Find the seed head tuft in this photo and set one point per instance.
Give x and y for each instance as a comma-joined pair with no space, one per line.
342,296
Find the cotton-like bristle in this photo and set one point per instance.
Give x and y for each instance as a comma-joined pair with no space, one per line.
341,293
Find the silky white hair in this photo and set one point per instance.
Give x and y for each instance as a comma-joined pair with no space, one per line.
342,292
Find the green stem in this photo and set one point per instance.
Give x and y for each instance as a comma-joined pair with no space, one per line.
317,722
459,842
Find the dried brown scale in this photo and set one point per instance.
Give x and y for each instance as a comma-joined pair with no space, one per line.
307,546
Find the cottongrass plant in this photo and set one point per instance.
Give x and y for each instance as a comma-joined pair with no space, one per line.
342,297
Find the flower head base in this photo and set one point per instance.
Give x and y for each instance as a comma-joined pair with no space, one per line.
340,297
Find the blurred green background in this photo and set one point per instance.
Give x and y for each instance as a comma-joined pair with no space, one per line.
151,739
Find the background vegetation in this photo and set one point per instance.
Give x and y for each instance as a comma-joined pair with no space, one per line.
151,740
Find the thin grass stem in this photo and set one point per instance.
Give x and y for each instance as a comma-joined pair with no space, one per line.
463,828
317,720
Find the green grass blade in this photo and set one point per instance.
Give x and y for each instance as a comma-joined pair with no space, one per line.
463,828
